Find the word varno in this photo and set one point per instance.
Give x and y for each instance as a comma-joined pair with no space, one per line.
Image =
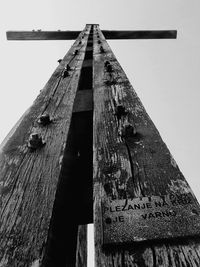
142,206
158,214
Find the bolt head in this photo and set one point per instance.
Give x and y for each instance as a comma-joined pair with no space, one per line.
35,141
44,119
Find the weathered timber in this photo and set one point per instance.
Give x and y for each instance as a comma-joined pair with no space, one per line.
71,35
81,253
131,161
42,35
167,34
29,178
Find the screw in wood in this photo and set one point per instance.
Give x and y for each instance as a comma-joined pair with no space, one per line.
35,141
44,119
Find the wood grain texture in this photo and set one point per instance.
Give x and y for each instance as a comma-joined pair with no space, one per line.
162,34
131,165
71,35
81,253
42,35
28,179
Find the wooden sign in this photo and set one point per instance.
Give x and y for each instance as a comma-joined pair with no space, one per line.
148,218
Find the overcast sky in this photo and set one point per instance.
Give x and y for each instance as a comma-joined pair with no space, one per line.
164,73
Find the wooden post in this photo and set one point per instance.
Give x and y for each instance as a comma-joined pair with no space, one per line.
145,213
134,175
33,173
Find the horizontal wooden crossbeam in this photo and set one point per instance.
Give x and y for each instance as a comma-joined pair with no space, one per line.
71,35
42,35
140,34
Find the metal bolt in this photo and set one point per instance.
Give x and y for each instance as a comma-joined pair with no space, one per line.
44,119
128,131
65,72
35,142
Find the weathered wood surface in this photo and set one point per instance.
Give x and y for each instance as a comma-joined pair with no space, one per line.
130,165
71,35
42,35
81,253
28,179
162,34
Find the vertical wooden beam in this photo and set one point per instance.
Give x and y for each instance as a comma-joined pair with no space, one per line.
81,253
30,167
132,162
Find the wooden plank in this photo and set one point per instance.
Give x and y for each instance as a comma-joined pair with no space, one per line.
71,35
81,254
131,162
42,35
29,177
161,34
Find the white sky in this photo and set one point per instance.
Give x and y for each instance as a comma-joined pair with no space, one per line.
164,73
